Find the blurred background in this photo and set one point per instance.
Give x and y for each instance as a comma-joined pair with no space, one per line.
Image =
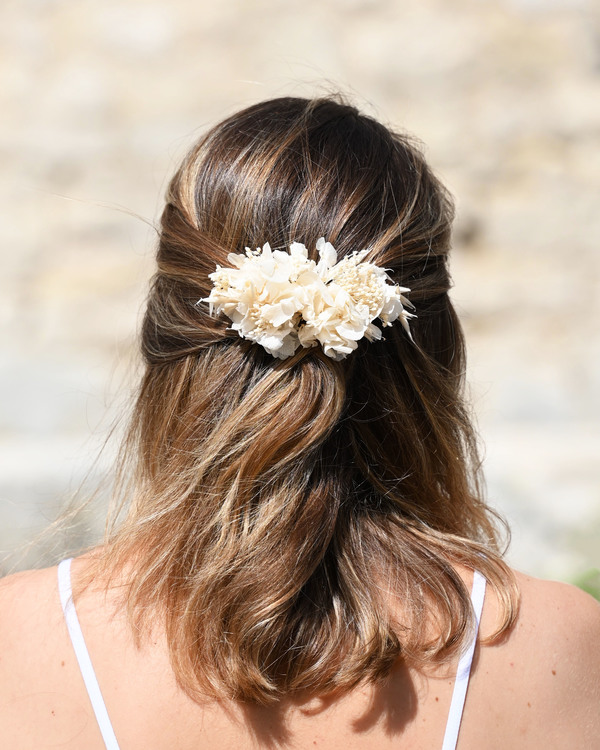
99,101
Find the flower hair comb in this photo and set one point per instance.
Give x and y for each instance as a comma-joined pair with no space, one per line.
282,300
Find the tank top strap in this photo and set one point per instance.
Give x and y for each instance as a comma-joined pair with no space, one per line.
83,657
99,707
463,672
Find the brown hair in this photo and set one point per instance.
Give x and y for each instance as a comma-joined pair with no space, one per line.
282,510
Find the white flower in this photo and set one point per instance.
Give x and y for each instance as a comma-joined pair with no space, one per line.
283,300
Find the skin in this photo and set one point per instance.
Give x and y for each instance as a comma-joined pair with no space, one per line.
538,690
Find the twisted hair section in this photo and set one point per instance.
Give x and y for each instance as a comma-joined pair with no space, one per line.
297,525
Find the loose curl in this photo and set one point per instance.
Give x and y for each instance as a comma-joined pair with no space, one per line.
280,511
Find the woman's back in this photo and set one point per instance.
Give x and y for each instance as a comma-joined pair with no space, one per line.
300,484
539,688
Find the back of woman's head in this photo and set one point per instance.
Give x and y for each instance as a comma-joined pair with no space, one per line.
297,521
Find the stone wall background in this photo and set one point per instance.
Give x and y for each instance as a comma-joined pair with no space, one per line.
100,99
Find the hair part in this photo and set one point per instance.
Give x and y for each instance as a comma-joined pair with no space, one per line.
282,513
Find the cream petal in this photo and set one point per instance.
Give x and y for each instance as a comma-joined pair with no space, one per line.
327,255
235,260
298,250
306,336
282,258
340,349
268,266
280,313
404,321
355,333
289,346
373,333
270,342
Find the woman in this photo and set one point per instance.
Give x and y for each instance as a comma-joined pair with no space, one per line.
305,553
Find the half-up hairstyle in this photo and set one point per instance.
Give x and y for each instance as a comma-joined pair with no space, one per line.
281,513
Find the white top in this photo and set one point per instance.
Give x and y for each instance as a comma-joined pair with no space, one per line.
95,695
463,672
83,657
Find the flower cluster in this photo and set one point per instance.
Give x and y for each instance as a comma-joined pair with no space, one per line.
283,300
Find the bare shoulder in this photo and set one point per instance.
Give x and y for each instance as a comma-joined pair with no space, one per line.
555,592
26,581
24,594
40,705
28,615
562,619
545,675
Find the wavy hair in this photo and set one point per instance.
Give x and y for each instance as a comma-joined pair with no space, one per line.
282,514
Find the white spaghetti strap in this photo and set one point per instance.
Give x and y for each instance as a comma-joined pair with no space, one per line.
83,657
464,668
